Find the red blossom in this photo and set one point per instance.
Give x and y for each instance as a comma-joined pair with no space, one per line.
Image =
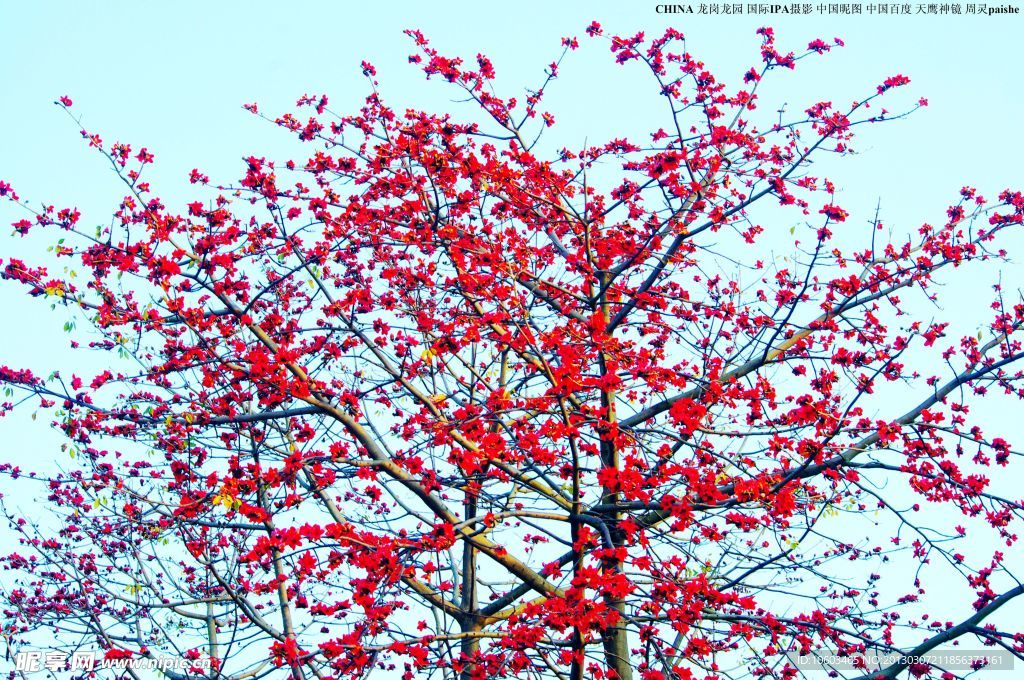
893,81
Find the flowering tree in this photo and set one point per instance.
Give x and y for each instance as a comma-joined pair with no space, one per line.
448,398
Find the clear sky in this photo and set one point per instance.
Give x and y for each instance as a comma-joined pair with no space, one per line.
172,76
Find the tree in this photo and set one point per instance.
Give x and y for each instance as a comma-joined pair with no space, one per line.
449,398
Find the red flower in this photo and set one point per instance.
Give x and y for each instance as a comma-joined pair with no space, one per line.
834,212
818,45
893,81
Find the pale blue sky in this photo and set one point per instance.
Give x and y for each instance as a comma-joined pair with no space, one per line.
172,77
